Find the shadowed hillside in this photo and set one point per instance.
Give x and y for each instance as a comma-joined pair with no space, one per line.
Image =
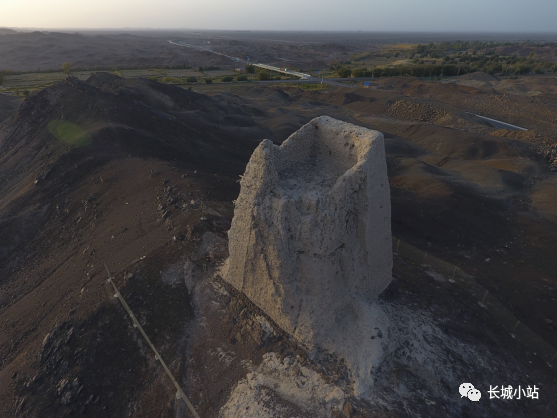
114,171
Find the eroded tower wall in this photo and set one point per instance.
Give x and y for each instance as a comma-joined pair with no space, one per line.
312,227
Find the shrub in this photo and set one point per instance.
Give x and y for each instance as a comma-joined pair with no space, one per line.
522,69
241,78
344,72
250,69
227,79
170,80
308,86
449,69
208,80
360,56
66,67
263,75
16,91
359,72
26,93
1,78
191,80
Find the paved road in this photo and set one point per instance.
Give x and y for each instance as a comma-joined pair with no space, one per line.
207,50
267,67
284,71
498,124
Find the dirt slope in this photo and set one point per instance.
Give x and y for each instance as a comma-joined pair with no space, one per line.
113,171
8,106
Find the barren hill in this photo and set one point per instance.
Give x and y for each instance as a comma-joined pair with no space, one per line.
114,171
478,76
6,31
8,105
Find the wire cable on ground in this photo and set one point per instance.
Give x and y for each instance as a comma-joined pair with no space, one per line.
136,324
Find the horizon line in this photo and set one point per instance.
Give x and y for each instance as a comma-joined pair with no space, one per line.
15,28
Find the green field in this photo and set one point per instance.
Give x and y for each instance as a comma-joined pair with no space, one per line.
36,81
31,82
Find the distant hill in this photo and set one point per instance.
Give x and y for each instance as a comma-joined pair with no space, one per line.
6,31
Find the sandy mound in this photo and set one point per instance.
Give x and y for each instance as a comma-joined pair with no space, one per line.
406,110
478,76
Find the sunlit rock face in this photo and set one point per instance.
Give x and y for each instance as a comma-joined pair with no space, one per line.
310,241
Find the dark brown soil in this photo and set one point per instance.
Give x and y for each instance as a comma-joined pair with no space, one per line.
129,184
8,105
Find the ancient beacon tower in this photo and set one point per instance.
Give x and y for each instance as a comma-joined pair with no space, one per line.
312,228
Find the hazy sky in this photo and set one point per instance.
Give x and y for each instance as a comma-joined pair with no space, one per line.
365,15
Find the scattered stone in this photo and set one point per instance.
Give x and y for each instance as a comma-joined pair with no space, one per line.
407,110
61,386
46,340
70,333
347,409
72,390
19,406
38,378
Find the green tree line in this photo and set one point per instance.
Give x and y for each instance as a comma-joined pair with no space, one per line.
445,70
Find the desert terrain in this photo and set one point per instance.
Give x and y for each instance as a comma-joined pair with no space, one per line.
102,169
29,51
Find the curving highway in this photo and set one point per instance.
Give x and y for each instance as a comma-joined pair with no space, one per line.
265,66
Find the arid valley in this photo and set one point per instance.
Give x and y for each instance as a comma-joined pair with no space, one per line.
124,160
